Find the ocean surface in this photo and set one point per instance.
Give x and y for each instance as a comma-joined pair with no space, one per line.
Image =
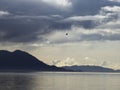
59,81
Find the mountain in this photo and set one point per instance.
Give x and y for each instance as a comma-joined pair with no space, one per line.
89,69
118,70
22,61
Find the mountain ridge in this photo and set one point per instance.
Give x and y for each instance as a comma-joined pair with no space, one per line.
88,68
22,61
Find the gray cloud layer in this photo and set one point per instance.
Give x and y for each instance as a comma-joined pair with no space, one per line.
32,20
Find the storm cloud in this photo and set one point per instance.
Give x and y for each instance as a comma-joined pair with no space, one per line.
32,20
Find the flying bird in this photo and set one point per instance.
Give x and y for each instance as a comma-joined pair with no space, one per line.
66,33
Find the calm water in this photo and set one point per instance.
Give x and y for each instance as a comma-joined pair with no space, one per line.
59,81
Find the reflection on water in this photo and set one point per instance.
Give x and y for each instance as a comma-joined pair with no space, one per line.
59,81
15,82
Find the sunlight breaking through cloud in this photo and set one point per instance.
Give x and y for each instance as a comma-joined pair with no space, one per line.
3,13
115,0
62,3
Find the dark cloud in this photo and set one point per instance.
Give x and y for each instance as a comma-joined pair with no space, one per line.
90,7
27,29
37,7
26,20
29,7
23,30
99,37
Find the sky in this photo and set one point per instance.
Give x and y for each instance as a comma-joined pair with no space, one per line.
63,32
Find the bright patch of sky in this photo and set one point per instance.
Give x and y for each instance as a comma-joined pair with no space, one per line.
61,3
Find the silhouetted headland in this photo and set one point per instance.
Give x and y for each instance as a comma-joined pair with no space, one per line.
22,61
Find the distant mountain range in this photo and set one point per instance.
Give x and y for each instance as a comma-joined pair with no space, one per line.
23,61
89,69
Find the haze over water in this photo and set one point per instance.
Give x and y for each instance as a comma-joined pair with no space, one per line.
59,81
